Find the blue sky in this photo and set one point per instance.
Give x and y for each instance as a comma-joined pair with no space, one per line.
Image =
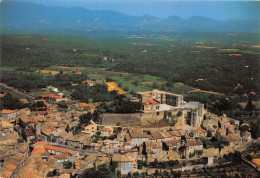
220,10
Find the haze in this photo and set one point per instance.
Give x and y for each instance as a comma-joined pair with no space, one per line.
218,10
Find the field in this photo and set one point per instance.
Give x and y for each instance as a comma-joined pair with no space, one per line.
113,86
191,56
53,72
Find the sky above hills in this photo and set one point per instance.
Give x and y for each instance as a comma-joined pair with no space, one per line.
220,10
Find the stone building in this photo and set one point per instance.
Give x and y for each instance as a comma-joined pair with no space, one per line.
193,113
161,97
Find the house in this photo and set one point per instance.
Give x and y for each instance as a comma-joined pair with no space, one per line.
176,134
128,145
58,150
76,141
29,134
5,127
138,138
121,135
246,136
234,139
127,164
10,114
24,101
61,136
225,125
156,136
85,106
90,129
199,132
110,146
54,89
161,97
106,132
47,97
150,105
171,145
193,148
120,141
153,147
167,136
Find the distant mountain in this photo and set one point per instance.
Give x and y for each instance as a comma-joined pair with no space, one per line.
29,16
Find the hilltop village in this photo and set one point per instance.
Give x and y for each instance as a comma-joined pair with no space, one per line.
165,131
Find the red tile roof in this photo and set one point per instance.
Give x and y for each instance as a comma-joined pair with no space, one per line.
6,111
46,96
85,105
69,106
57,97
39,143
59,149
151,101
38,150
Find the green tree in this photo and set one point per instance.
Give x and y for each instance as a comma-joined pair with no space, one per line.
103,171
67,129
85,119
209,133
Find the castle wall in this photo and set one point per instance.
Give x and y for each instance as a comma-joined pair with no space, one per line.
121,119
134,119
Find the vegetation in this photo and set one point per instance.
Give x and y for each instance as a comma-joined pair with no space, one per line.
10,102
103,171
179,66
120,104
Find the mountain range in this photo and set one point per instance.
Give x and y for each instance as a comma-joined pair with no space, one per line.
30,16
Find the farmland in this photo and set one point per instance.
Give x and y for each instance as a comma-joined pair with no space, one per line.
196,65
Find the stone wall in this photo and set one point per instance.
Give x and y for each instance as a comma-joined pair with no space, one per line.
211,152
135,119
121,119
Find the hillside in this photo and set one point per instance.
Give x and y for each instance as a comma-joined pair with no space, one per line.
29,16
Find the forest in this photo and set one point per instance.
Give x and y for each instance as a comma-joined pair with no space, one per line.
224,63
167,56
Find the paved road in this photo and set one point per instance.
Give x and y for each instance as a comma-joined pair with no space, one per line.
246,145
16,91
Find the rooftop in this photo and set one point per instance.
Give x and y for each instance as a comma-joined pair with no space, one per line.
191,105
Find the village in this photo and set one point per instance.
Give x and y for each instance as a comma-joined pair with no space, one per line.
166,131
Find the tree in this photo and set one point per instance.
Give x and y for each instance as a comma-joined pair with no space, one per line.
67,164
249,106
237,158
67,129
209,133
126,88
249,157
156,85
62,104
85,119
10,102
103,171
20,140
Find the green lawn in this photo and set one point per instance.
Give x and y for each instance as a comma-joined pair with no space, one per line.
88,69
150,78
130,85
182,89
67,93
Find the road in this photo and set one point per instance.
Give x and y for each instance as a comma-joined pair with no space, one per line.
16,91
